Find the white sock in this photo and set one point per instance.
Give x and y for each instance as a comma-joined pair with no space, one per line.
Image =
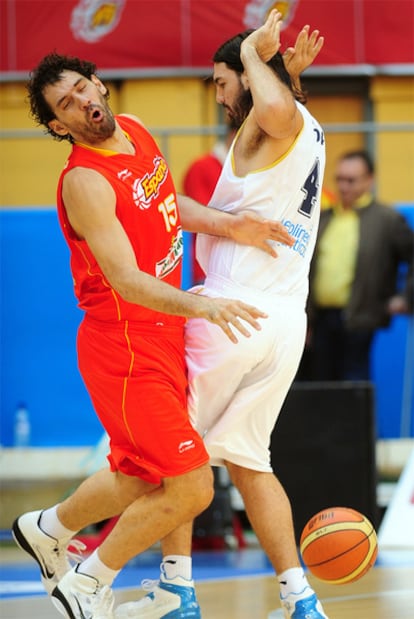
177,565
50,524
293,581
93,566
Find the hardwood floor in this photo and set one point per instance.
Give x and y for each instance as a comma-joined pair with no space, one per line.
383,593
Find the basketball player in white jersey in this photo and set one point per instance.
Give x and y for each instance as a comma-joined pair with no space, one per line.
274,168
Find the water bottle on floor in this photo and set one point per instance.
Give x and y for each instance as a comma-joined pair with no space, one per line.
21,427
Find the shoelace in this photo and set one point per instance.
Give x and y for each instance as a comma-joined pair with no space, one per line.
149,585
64,554
102,603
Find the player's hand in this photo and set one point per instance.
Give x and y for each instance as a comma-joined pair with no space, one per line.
229,314
300,57
250,229
266,39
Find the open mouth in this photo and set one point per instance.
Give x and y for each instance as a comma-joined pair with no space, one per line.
96,115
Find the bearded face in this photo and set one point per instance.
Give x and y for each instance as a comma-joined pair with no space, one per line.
232,93
240,108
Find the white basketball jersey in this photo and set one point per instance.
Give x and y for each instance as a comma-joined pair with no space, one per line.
288,191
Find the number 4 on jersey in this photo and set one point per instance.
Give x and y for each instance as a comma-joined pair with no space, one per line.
310,190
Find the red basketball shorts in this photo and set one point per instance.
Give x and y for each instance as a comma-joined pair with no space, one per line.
136,378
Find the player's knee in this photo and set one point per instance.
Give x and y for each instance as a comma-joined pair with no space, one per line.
203,488
208,489
196,490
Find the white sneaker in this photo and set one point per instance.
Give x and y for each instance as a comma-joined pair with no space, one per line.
79,596
304,605
174,598
51,554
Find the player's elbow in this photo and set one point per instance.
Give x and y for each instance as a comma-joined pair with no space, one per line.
282,122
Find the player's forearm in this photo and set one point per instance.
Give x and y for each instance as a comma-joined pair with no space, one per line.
143,289
271,96
198,218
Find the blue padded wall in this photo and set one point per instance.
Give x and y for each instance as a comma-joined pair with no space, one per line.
39,320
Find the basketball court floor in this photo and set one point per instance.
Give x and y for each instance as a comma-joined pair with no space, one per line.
235,584
240,584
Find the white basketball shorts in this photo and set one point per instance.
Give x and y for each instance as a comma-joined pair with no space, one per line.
236,391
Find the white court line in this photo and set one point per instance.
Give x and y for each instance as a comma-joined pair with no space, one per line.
20,586
363,596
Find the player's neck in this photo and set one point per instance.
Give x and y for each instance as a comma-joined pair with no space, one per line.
118,143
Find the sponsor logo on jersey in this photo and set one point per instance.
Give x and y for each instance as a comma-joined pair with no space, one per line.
185,446
124,174
300,234
145,189
168,264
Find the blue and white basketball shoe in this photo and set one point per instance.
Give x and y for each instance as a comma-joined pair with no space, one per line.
173,598
299,607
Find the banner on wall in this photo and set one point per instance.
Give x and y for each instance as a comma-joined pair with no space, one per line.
152,34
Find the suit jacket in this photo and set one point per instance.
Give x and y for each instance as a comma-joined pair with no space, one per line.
385,242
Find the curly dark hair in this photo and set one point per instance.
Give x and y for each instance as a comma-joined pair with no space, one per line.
49,71
229,53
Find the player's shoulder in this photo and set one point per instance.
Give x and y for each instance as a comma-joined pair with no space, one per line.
131,117
80,177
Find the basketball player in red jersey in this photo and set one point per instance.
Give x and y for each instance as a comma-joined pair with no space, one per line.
120,216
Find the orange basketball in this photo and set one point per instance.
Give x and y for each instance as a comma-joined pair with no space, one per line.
338,545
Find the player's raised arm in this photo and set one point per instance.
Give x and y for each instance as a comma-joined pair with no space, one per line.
274,107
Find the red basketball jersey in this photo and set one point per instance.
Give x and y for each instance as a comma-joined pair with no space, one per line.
146,205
